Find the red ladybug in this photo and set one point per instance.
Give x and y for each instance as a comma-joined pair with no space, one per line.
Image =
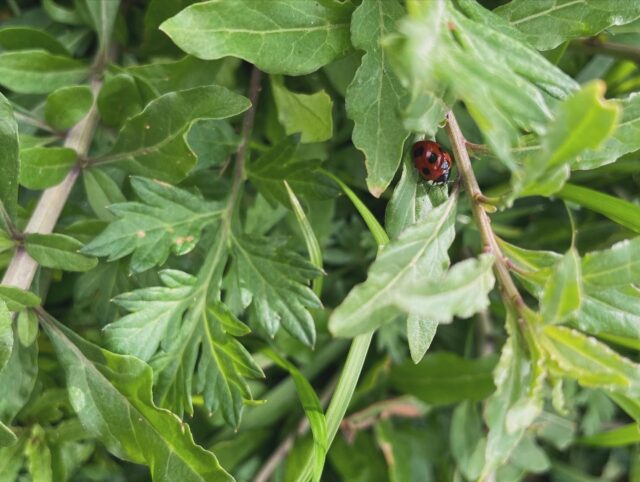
431,161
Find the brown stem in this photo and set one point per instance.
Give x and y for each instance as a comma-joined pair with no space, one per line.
22,269
597,46
509,291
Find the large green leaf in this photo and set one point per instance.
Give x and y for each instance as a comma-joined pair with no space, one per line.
548,23
28,38
276,280
280,36
167,220
375,97
442,378
39,72
153,143
119,99
461,292
18,299
474,54
307,114
616,266
421,249
42,167
112,396
9,157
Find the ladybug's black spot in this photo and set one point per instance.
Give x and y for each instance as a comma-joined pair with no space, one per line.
417,152
425,171
433,157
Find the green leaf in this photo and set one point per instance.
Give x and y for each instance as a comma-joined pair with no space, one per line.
420,334
58,251
17,299
312,409
515,404
9,158
616,266
7,438
463,51
213,142
27,327
6,335
276,279
167,220
67,105
547,24
618,210
39,72
375,97
12,458
591,363
625,139
611,312
102,192
467,442
420,248
153,143
563,290
582,121
39,456
280,37
280,163
408,449
307,114
618,437
112,396
443,378
119,99
43,167
103,14
27,38
61,14
461,292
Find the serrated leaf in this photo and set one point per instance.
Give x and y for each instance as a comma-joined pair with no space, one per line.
153,143
590,362
280,37
278,282
420,248
546,24
168,219
306,114
152,311
9,157
39,72
6,335
616,266
28,38
582,121
375,97
440,47
67,105
58,251
563,290
112,396
462,291
17,299
279,164
43,167
443,378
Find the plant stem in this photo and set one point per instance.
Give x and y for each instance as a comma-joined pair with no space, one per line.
597,46
27,119
508,288
22,269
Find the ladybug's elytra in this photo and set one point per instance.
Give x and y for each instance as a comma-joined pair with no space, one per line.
431,161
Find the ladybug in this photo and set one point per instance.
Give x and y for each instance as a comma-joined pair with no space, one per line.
431,161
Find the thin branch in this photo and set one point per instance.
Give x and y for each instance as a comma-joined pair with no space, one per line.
508,288
22,269
597,46
27,119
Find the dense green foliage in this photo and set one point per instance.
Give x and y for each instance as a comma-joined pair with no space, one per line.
221,264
